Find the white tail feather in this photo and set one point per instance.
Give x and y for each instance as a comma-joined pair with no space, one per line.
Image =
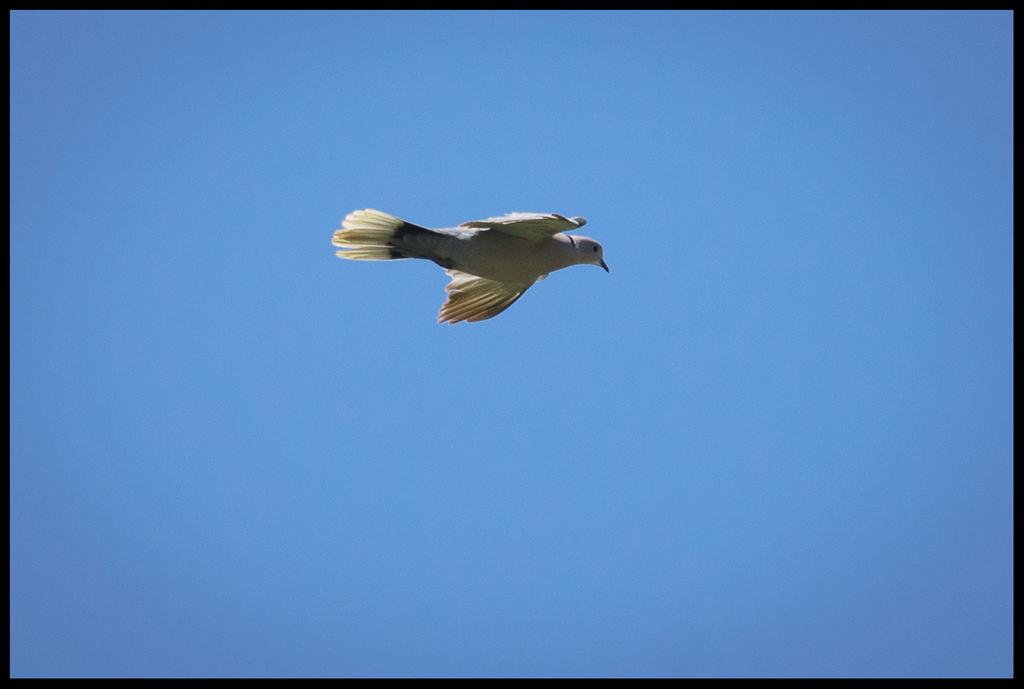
372,235
373,253
366,228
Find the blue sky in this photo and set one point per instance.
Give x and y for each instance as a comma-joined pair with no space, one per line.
775,440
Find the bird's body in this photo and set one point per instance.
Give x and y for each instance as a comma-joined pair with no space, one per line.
497,256
491,262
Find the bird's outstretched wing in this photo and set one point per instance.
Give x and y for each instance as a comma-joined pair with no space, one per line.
472,298
533,227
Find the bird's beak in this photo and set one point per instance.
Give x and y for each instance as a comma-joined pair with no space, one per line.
605,266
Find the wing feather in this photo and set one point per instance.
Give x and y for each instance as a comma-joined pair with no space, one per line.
534,227
472,298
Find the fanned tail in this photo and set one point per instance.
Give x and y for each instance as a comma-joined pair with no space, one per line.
372,235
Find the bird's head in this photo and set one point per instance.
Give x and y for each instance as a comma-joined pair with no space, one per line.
588,251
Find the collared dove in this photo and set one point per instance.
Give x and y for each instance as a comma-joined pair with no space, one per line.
491,262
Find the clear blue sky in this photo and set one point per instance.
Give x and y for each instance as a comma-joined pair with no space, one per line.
774,441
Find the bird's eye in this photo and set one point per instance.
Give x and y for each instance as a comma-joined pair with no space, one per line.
595,248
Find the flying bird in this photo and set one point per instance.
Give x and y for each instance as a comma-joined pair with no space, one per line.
491,262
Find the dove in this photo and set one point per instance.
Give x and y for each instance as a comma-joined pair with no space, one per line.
491,262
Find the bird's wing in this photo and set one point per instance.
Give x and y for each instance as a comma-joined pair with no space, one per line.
533,227
473,298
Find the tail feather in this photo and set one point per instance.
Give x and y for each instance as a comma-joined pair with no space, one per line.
371,235
374,253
